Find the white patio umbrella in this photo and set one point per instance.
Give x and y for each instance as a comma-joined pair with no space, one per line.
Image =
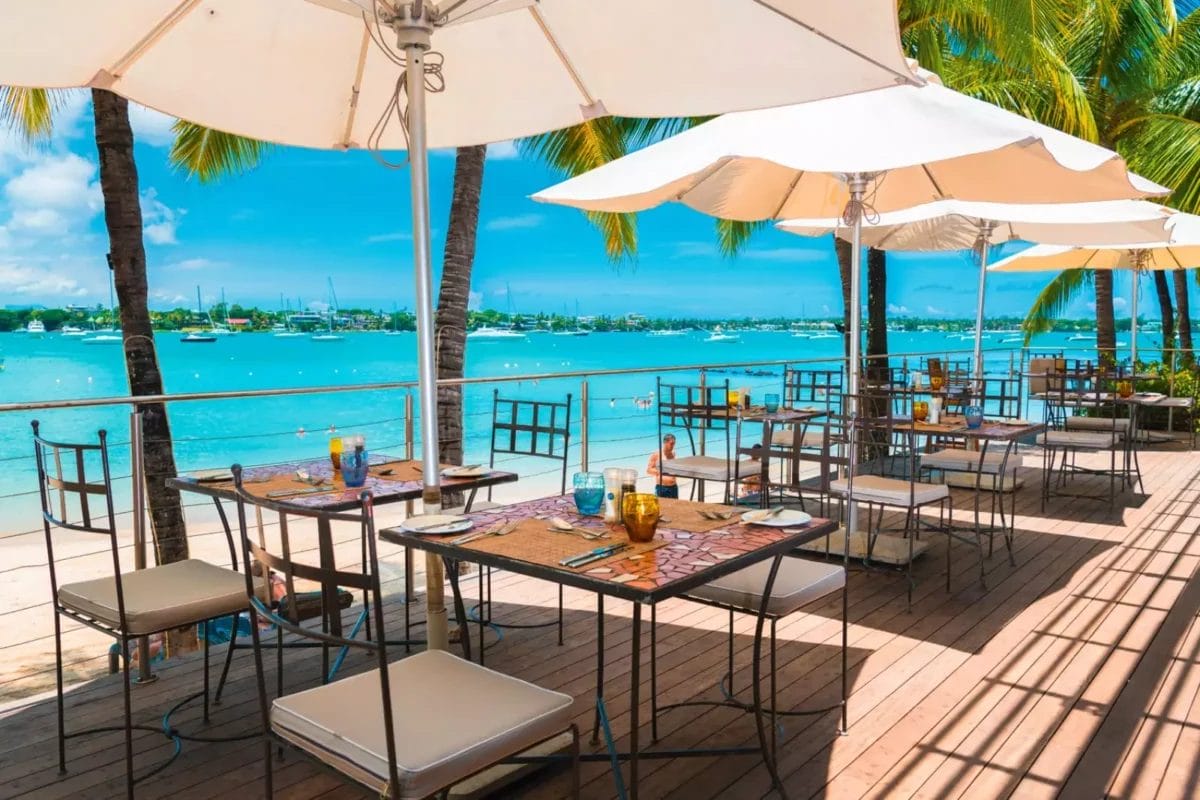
856,156
963,225
355,73
1180,249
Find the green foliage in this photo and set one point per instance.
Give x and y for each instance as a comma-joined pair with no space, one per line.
1053,299
30,112
209,155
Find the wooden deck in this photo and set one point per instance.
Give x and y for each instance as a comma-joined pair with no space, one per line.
1075,674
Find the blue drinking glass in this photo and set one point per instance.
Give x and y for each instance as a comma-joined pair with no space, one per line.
974,416
589,492
354,468
771,403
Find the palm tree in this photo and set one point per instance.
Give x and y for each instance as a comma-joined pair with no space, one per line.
1167,312
31,112
1183,319
1137,66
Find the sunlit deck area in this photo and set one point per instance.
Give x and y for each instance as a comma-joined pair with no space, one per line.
1075,673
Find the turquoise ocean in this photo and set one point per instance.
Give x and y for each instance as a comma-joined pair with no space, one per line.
211,434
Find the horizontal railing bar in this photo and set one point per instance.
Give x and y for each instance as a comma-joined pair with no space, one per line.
40,405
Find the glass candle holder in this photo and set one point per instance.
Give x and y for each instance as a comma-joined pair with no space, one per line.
920,411
640,513
1124,388
733,398
354,467
936,382
589,492
771,403
974,415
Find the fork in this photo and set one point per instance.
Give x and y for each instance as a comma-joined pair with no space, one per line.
503,530
559,525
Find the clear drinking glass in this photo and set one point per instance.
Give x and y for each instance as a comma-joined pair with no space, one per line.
771,403
589,492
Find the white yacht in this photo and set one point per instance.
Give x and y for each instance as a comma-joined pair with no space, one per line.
721,337
72,330
36,328
574,332
668,332
104,336
494,334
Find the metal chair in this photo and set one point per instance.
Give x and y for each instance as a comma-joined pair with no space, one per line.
381,729
533,429
123,605
818,388
1087,422
699,409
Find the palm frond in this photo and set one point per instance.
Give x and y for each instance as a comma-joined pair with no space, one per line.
1166,149
1053,299
209,155
28,111
732,235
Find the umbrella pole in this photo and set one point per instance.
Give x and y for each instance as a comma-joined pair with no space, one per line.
982,246
413,35
1133,322
857,183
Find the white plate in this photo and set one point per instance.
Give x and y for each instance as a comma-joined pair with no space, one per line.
436,524
787,518
465,472
211,475
1020,423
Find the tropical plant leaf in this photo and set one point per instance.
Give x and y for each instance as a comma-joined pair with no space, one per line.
1053,299
209,155
732,235
28,111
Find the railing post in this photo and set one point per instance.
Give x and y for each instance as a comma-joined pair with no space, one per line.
138,497
583,425
408,440
703,399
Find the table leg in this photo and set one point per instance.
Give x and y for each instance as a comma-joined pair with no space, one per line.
756,676
331,609
460,609
635,680
599,667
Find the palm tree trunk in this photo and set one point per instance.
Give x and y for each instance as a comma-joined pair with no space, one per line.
1183,318
454,296
843,250
127,259
1163,289
1106,329
877,339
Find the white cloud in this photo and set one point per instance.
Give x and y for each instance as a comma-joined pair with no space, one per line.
1120,304
396,236
37,282
193,263
897,309
151,127
475,300
515,222
53,195
503,151
160,220
934,310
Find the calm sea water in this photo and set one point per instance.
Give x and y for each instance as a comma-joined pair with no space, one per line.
254,431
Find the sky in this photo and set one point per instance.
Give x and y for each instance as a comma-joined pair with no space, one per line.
303,216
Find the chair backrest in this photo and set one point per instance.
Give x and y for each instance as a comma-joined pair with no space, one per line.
821,388
67,494
881,439
532,428
692,408
999,397
330,580
1039,371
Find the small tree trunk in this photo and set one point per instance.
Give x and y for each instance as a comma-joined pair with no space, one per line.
1183,320
1106,332
843,250
1163,289
877,339
127,258
453,298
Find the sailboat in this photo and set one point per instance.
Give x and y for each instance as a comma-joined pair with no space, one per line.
330,336
199,337
283,330
220,328
109,335
395,331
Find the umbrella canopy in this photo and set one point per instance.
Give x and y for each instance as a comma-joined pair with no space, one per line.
359,73
925,143
963,225
1180,249
310,73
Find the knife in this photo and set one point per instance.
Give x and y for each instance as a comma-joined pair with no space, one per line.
592,555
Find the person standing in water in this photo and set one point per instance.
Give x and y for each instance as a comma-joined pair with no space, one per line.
664,485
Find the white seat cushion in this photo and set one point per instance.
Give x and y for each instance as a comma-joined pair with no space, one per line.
160,598
810,438
961,460
708,468
1098,424
452,718
798,583
1091,440
893,491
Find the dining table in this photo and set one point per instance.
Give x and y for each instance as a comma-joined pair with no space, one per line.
315,484
689,549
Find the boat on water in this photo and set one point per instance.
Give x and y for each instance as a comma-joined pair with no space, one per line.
104,336
489,334
329,335
36,328
800,335
825,335
1082,337
720,337
197,337
575,332
1012,340
668,332
72,330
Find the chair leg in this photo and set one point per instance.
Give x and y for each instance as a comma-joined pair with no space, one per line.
575,762
729,667
560,615
228,658
408,598
845,648
58,676
128,718
268,767
204,633
653,673
774,699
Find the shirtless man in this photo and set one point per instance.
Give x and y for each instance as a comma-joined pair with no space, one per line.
666,485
